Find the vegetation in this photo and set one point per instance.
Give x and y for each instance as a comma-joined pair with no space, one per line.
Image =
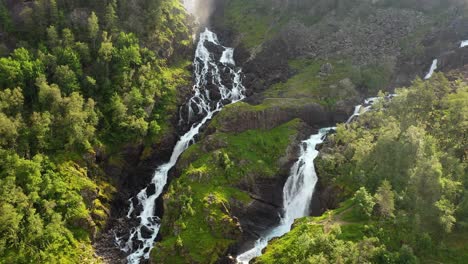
402,169
327,82
75,77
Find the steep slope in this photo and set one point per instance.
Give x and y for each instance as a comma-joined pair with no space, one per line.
89,91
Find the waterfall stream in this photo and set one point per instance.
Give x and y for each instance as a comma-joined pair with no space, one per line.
209,70
297,193
431,70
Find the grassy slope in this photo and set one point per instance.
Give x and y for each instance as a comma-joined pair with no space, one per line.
355,228
252,19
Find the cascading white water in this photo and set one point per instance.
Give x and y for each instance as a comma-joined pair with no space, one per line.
431,70
207,70
356,113
205,66
300,186
464,43
228,57
434,65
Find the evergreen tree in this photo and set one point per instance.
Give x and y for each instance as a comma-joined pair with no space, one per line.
385,199
93,28
110,17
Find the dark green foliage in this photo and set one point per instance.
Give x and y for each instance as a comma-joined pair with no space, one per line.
77,79
411,153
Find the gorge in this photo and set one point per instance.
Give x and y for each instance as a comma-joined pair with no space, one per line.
233,131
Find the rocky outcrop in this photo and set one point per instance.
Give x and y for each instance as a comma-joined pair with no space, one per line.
252,196
242,117
264,211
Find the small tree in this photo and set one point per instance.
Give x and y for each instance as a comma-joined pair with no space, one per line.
385,199
179,242
446,214
364,201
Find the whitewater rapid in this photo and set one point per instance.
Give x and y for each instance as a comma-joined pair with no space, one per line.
207,71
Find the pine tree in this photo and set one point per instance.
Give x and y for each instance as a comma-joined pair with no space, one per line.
53,11
111,16
93,28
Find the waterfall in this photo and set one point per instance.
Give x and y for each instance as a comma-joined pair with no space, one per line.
297,194
300,186
431,70
207,72
356,113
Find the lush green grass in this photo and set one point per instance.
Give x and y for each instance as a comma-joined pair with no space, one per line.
173,77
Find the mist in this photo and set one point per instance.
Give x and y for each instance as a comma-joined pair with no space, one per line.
200,9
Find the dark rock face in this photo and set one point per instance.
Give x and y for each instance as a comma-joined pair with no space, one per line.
265,210
268,118
268,67
453,59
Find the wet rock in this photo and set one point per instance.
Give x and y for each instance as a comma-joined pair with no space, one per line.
214,49
151,189
146,232
326,69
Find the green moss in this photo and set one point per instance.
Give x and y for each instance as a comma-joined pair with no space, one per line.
251,19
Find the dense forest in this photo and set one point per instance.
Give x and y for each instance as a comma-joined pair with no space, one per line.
93,96
76,77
